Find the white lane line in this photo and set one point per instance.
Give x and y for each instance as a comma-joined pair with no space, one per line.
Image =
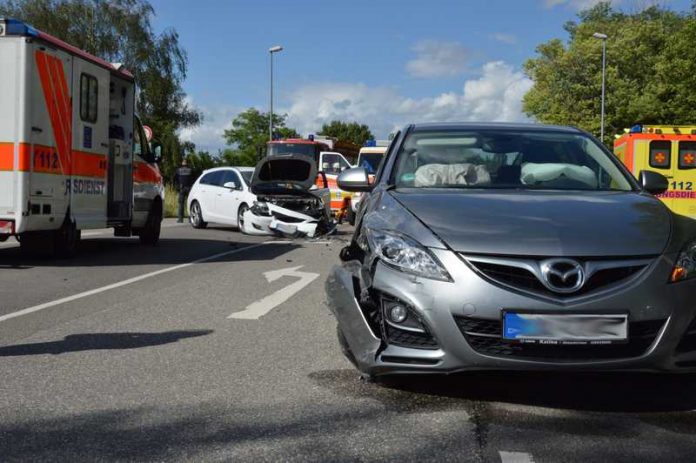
258,309
129,281
515,457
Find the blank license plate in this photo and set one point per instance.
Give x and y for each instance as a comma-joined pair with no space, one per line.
567,329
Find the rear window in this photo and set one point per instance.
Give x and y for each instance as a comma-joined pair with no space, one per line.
687,155
660,154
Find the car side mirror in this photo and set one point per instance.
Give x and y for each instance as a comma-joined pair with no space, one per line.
230,185
653,182
354,180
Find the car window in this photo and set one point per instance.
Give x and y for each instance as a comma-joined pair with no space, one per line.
660,154
333,164
230,176
246,175
687,155
502,159
212,178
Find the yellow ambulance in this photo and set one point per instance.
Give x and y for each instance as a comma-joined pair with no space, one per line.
668,150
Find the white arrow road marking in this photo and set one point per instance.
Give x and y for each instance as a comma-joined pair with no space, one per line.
258,309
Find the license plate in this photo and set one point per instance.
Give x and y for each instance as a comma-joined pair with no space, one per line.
566,329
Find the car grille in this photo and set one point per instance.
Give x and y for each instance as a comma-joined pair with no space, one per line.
519,277
485,337
688,341
411,339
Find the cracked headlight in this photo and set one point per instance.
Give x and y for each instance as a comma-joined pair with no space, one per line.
685,267
405,254
260,209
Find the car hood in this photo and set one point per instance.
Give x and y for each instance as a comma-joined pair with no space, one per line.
283,175
543,223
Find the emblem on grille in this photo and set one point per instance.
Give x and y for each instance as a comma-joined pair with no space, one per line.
562,275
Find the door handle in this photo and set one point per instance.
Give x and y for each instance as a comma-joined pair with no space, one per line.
37,129
105,145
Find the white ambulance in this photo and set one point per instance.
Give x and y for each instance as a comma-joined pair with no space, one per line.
73,155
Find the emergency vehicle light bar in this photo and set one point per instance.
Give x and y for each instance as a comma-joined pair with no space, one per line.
9,26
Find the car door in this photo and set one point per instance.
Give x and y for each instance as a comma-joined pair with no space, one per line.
206,194
227,200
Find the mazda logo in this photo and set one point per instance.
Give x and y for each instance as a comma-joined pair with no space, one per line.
562,275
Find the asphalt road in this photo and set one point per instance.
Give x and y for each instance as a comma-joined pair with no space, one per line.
128,353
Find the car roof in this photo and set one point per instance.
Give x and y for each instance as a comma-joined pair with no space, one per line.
239,168
427,126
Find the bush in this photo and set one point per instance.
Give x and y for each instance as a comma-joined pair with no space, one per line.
171,202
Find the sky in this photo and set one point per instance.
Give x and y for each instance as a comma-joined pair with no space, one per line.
384,63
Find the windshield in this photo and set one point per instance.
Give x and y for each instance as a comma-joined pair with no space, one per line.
370,161
246,175
275,149
506,159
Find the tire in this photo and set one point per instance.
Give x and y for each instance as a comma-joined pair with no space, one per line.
351,216
240,217
66,239
196,216
150,234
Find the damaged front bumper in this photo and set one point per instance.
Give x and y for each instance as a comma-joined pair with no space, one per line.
295,224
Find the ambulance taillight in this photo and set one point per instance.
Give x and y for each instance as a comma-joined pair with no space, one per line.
6,227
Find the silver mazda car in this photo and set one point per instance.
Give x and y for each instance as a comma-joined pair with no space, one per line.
513,247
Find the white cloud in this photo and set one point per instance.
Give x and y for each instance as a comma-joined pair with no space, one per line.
208,135
496,95
438,59
505,38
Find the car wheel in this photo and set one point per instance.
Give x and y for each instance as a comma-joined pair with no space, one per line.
240,217
196,216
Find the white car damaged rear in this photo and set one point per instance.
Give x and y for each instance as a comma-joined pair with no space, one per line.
289,203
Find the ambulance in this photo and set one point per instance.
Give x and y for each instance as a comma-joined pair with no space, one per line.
73,155
668,150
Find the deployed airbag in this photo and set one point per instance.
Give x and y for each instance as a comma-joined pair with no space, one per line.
533,173
433,175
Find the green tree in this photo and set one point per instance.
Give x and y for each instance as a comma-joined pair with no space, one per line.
121,31
650,71
249,134
352,132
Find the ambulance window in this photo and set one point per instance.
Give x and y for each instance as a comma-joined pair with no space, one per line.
89,91
660,154
687,155
137,141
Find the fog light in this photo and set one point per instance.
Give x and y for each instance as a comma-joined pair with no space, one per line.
398,313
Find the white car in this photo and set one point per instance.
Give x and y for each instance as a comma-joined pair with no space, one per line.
221,195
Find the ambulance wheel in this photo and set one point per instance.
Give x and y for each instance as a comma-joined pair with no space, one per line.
196,216
240,217
150,233
66,239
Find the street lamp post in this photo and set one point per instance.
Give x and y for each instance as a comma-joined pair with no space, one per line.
603,38
271,51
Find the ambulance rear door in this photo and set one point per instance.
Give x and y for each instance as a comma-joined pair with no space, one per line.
49,155
11,93
656,155
90,85
684,177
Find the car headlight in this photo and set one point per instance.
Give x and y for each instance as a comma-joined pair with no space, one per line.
685,267
405,254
